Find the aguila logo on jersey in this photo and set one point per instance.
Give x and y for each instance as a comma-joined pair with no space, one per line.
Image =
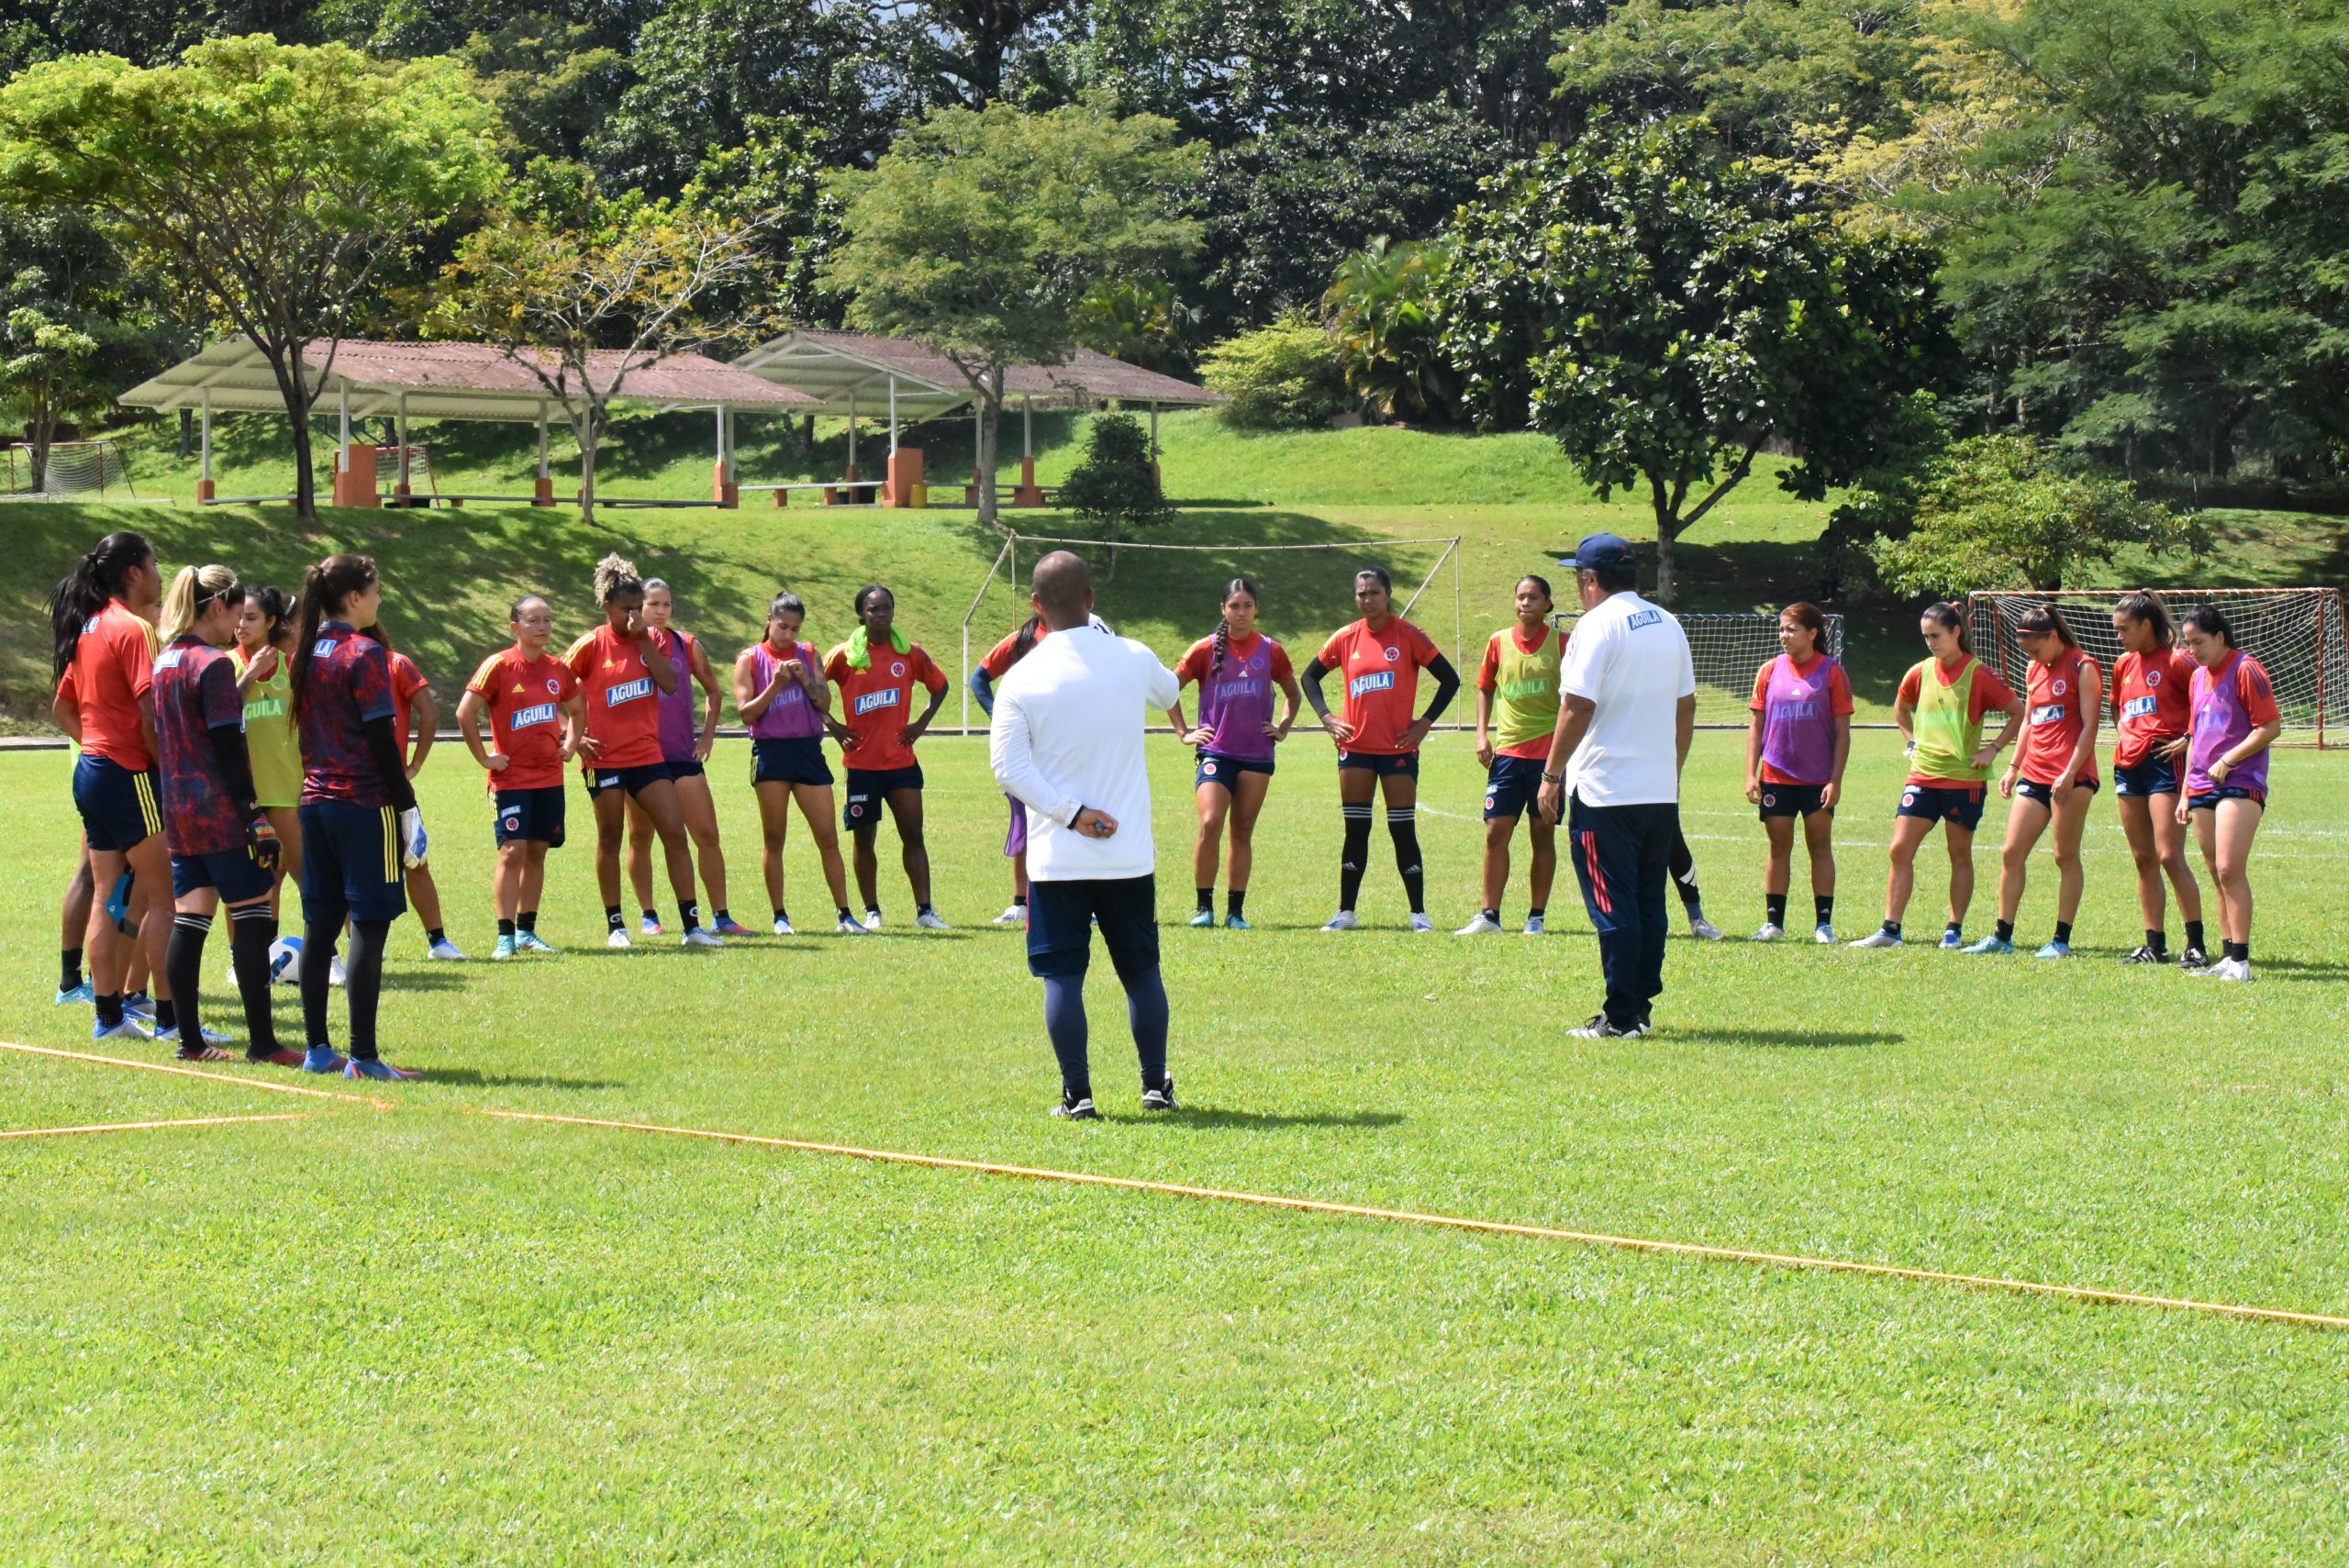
542,713
323,647
1381,681
872,702
628,691
2049,713
2137,707
1642,617
169,659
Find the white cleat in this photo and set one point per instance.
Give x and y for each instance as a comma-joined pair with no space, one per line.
1879,937
782,926
1015,915
446,950
334,971
850,928
929,920
1532,926
1343,920
1704,931
872,919
2231,969
1824,936
697,936
1483,925
1770,932
619,939
1421,923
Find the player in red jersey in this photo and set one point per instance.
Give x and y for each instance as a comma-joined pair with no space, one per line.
622,677
536,717
2152,708
876,671
996,664
81,894
2053,777
686,745
1379,657
417,717
102,617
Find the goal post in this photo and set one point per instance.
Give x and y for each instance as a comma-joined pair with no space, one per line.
1728,650
2295,633
95,470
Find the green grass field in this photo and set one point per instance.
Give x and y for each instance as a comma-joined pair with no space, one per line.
429,1336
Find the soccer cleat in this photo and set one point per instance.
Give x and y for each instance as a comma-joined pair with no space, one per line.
1483,925
782,925
1993,943
129,1028
1419,922
1532,926
1015,915
696,937
1824,934
1204,919
323,1059
1879,937
2231,969
929,920
2141,953
1075,1107
2054,949
506,947
871,919
1161,1098
200,1054
1770,932
334,970
730,926
1602,1028
283,1056
2194,960
369,1067
1343,920
650,926
1704,931
530,942
139,1005
618,939
850,928
207,1037
445,950
1953,940
83,993
1234,923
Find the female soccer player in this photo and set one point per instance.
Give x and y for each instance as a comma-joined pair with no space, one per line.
2235,721
998,662
102,617
685,747
1940,709
1796,746
536,717
622,675
359,825
264,660
2053,777
780,691
2152,707
1519,679
415,715
221,844
1236,669
876,671
1380,657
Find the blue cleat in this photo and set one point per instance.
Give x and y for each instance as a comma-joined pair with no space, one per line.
1991,943
1953,941
504,948
138,1004
368,1067
323,1059
129,1028
83,994
2056,949
1234,923
1202,919
530,942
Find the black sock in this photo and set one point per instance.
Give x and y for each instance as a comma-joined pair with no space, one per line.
2063,932
1892,927
251,929
721,918
1207,900
1355,855
2194,934
781,915
182,964
1774,906
1491,914
1236,900
69,968
506,927
109,1005
844,914
527,921
2005,929
1402,825
1019,901
1822,909
2156,938
1954,929
167,1014
688,913
1535,913
611,918
435,937
2236,950
921,909
653,916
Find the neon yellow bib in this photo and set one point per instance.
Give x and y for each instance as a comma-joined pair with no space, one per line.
1525,689
1948,731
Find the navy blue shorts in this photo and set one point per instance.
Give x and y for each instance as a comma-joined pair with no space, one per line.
1222,768
869,788
351,863
1513,785
1384,764
530,816
239,877
2209,799
2045,794
1061,916
1794,800
119,806
1960,806
2155,776
789,759
683,767
635,781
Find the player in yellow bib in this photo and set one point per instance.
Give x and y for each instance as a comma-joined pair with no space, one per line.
1516,709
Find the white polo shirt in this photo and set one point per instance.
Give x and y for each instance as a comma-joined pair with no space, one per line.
1630,660
1067,733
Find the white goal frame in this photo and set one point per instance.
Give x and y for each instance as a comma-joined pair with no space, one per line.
1725,683
113,471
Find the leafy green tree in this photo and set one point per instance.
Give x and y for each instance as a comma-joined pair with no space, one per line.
1113,487
1663,316
1997,513
552,80
1281,377
75,325
774,185
281,184
982,233
1381,309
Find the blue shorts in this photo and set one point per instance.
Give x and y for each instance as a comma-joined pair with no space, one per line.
1061,919
868,788
1960,806
235,872
1222,768
635,781
683,767
1511,786
789,760
2028,789
531,816
1384,764
2209,799
2155,776
1796,800
119,806
351,863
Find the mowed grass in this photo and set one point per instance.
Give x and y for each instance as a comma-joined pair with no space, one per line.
433,1336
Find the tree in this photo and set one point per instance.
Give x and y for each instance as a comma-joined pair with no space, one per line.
1381,308
283,184
1663,316
586,290
74,326
1281,377
1995,513
1113,487
982,233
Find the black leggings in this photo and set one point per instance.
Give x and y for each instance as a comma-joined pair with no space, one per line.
363,980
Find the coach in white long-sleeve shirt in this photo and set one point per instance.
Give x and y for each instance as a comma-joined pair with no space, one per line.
1067,742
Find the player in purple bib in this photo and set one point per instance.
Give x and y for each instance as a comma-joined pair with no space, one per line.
780,692
2235,720
1796,746
1236,669
685,748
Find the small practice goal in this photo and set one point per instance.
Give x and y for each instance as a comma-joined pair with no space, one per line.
2295,633
76,471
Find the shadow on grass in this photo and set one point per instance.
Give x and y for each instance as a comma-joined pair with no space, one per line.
1814,1039
474,1078
1195,1119
2300,969
403,980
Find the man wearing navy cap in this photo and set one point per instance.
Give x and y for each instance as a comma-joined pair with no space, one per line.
1614,773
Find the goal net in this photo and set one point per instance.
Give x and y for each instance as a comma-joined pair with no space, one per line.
78,469
1728,652
2295,633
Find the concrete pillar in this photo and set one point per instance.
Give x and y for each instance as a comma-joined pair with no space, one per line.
723,489
543,492
203,491
1029,494
399,484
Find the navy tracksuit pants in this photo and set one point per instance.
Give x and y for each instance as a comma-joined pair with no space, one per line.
1621,854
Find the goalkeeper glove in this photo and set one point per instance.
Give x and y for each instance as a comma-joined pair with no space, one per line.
261,843
411,825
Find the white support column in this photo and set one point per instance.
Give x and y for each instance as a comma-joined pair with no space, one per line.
342,454
851,434
1028,428
723,474
892,416
402,487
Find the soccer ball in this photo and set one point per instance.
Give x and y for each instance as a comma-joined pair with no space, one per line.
285,961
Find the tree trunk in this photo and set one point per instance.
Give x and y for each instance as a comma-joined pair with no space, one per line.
589,426
1664,585
306,481
187,432
43,433
990,410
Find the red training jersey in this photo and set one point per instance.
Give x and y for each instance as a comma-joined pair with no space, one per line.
623,704
406,681
2056,715
878,701
2152,702
524,697
1381,669
1005,654
1839,700
1990,692
114,666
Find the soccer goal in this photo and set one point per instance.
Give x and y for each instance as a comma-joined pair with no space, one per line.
1728,650
2295,633
76,471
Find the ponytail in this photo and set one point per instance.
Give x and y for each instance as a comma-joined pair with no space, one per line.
2040,620
325,587
192,592
97,578
1949,617
1023,641
2148,610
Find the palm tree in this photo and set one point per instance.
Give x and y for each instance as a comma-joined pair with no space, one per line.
1380,314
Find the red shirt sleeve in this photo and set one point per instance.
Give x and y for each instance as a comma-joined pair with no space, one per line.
1912,687
1761,702
66,690
926,669
1488,669
1333,653
1281,671
1839,690
406,681
2252,689
1989,691
1424,650
1194,667
484,679
127,646
836,667
998,658
579,659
